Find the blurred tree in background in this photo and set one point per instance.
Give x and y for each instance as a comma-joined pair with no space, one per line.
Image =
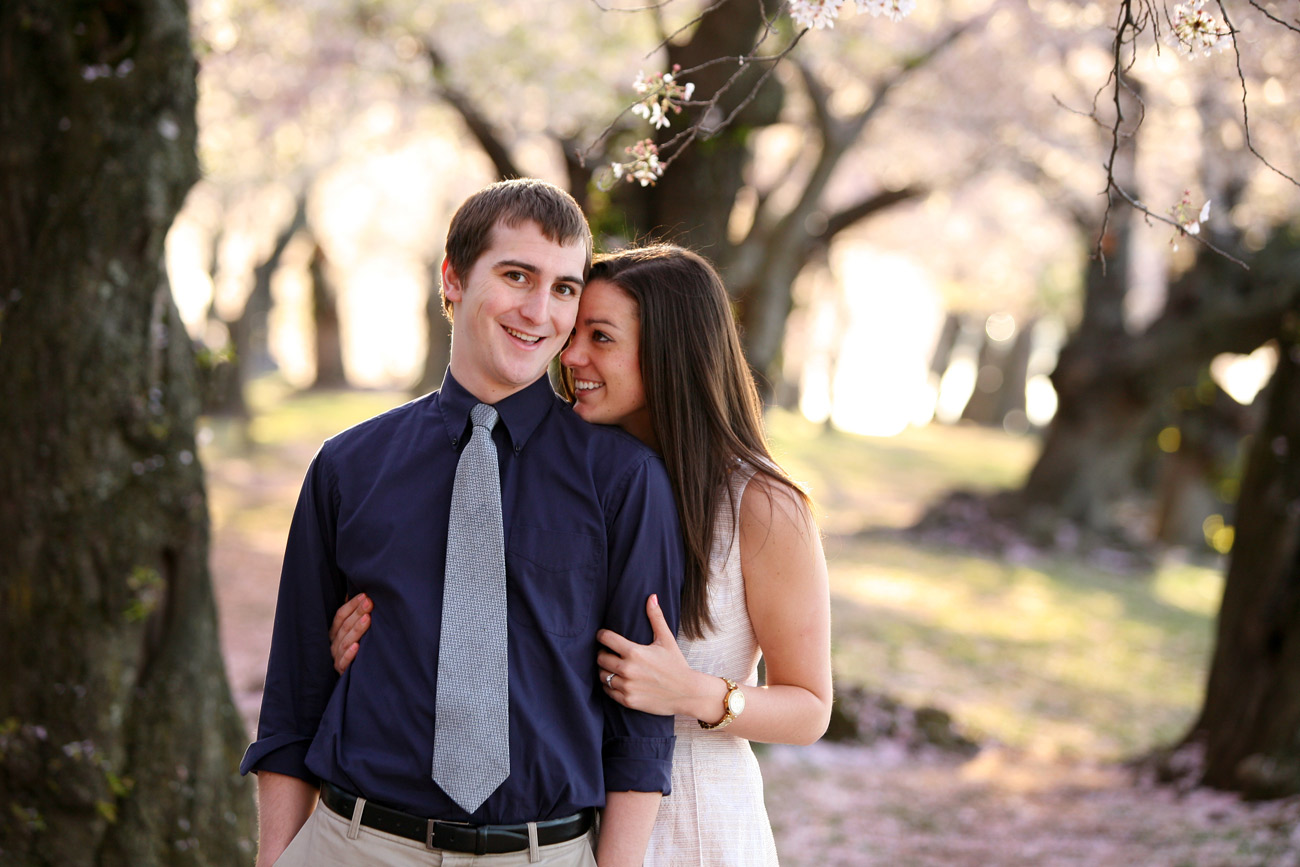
1247,736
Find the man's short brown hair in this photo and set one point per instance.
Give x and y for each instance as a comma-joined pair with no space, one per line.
512,202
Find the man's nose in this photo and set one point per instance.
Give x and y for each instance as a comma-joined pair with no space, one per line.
536,305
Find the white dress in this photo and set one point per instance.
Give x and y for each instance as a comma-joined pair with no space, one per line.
715,816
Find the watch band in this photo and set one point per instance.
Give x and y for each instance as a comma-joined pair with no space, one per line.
728,715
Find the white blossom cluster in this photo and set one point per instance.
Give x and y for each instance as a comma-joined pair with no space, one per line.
1195,30
817,14
661,93
821,14
644,166
1187,224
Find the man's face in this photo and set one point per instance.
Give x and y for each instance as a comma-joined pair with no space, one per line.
513,310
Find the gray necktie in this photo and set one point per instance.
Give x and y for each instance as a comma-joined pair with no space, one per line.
471,742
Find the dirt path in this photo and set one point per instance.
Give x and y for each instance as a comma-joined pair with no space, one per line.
831,804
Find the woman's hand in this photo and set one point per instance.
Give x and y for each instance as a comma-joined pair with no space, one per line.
649,677
350,623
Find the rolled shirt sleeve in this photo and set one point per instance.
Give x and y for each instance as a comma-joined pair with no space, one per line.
300,673
645,557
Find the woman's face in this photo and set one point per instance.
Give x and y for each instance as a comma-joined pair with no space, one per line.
604,355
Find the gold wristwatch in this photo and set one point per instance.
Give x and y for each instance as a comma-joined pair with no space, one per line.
733,703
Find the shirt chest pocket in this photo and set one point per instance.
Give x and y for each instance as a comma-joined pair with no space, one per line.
555,577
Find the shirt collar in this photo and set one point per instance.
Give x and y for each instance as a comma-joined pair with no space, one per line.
520,413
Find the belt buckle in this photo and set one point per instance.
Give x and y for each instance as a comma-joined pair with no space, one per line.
430,837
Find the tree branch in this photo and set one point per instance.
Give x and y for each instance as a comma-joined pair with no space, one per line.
479,126
841,220
1199,238
1245,110
1270,16
264,271
838,136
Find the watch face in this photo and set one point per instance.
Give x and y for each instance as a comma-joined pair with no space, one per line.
736,702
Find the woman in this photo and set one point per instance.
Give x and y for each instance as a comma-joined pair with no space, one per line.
656,352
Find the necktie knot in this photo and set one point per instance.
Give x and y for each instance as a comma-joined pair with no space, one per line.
484,416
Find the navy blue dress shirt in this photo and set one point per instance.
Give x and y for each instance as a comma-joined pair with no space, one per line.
590,530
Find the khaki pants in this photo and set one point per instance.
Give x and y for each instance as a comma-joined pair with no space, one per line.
329,840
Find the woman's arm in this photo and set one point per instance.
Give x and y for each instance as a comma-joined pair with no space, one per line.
788,597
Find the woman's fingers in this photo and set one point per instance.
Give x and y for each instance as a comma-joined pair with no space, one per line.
342,662
663,633
347,615
347,641
351,621
615,642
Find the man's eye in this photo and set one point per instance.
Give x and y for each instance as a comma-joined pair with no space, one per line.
516,276
565,290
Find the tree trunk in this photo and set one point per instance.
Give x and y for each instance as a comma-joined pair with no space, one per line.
1111,387
982,406
330,372
692,203
438,337
1249,726
1012,403
941,357
1104,411
118,737
1097,435
250,333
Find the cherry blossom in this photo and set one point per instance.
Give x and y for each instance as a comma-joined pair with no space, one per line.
1195,30
1182,214
644,167
894,10
661,93
815,14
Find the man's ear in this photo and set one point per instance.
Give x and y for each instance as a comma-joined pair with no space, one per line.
452,290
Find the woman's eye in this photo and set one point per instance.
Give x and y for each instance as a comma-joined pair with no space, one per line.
600,337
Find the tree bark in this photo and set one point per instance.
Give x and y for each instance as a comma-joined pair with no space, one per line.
1112,386
119,741
330,372
1249,726
437,336
692,203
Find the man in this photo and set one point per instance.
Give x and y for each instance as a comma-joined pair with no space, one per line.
589,531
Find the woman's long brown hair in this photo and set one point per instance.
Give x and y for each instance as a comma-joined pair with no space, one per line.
703,404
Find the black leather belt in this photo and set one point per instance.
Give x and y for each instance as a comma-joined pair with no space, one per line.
455,836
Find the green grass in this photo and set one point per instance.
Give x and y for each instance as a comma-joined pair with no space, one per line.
282,415
871,481
1049,655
